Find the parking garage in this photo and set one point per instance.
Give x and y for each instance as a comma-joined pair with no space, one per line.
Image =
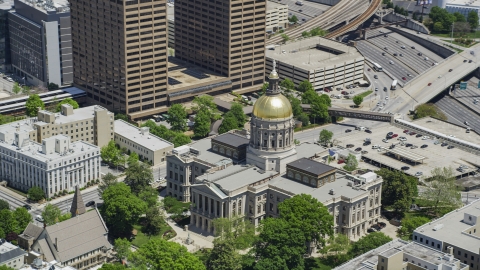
401,153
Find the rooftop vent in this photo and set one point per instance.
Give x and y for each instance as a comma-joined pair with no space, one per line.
437,227
331,192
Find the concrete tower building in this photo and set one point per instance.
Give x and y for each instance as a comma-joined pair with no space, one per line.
271,138
120,54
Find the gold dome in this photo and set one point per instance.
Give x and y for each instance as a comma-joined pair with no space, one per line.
273,74
272,107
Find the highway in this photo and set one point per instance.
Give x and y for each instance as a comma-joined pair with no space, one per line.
455,111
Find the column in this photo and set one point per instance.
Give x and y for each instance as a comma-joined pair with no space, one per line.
205,207
196,200
221,210
215,208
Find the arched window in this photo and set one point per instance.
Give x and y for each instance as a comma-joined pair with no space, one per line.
239,207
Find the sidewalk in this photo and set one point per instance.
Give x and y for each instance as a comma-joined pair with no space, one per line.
13,194
199,241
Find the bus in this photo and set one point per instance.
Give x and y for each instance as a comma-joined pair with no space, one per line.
394,85
377,67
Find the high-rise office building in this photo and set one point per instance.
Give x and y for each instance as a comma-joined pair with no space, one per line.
120,54
227,37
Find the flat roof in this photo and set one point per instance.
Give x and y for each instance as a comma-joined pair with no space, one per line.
448,129
25,125
308,150
304,54
182,74
60,6
272,5
406,154
453,227
236,176
231,139
78,114
311,166
206,154
133,133
466,3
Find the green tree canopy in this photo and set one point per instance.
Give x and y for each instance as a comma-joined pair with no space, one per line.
438,27
35,194
305,86
178,117
33,103
287,84
22,217
357,100
177,138
16,89
4,205
112,266
122,247
303,117
121,116
53,86
325,136
9,223
459,17
229,123
368,242
293,19
398,189
108,180
429,109
154,220
472,19
443,17
138,176
51,214
296,105
409,225
264,89
236,230
121,209
285,38
224,256
64,217
67,101
319,110
237,111
110,153
206,103
162,254
132,158
351,163
325,99
310,97
201,128
441,192
149,195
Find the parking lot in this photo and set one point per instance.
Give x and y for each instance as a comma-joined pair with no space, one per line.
305,12
435,155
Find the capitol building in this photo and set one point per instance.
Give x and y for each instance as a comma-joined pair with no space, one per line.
249,173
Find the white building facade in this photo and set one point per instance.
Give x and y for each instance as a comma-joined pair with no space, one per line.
276,17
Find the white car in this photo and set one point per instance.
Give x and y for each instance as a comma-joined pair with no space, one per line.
385,140
425,137
376,88
378,103
402,139
381,107
386,98
374,146
418,173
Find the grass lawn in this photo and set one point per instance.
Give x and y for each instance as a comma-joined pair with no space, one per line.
365,94
316,264
460,44
142,238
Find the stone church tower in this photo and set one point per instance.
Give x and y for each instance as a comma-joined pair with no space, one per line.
271,129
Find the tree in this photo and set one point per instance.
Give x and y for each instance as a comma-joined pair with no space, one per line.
206,103
52,86
150,196
64,217
138,176
108,180
338,243
235,230
35,194
305,34
472,19
132,158
287,83
2,235
310,97
459,17
429,109
309,215
201,128
224,256
51,214
325,136
317,31
409,225
293,19
351,163
178,117
154,220
325,99
264,89
16,89
237,111
26,90
121,116
109,153
285,38
461,27
122,248
441,191
121,209
67,101
367,243
33,103
4,205
177,138
296,105
22,217
162,254
304,119
398,189
305,86
438,27
229,123
357,100
414,16
319,110
112,266
9,223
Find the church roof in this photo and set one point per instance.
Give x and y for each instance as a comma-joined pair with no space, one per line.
78,207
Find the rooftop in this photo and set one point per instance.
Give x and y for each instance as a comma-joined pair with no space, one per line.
21,126
182,74
203,152
314,53
231,139
79,114
146,139
308,150
311,166
453,228
470,3
9,251
48,6
271,5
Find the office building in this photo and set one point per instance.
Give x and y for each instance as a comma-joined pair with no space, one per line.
462,6
55,165
5,59
323,62
227,37
149,148
11,256
40,41
456,233
277,17
120,54
171,25
402,255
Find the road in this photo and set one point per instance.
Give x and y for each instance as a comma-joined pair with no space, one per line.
14,201
457,113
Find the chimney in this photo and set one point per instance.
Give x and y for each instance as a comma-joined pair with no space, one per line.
450,250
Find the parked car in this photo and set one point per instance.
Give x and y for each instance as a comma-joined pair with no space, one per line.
436,142
358,149
385,140
348,130
39,218
350,145
429,84
28,207
405,131
418,173
90,203
405,168
402,139
419,135
394,135
450,147
390,133
368,131
382,224
414,147
412,133
424,146
425,137
450,70
370,230
366,143
444,144
341,161
364,152
469,61
376,227
408,144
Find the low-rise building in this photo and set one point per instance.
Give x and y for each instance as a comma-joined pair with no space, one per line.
276,17
11,255
323,62
38,264
149,147
54,165
402,255
456,233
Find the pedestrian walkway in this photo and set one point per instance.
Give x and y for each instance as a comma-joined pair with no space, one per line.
198,241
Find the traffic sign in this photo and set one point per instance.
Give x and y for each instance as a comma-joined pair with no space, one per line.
463,85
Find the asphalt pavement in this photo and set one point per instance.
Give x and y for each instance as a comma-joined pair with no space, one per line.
13,200
457,113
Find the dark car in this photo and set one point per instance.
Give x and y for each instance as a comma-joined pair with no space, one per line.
90,203
349,145
358,149
382,224
405,131
464,61
450,147
469,61
366,143
444,144
390,133
392,146
348,130
424,146
376,227
403,78
368,131
364,152
405,168
418,135
28,207
412,133
450,70
408,145
370,230
341,161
